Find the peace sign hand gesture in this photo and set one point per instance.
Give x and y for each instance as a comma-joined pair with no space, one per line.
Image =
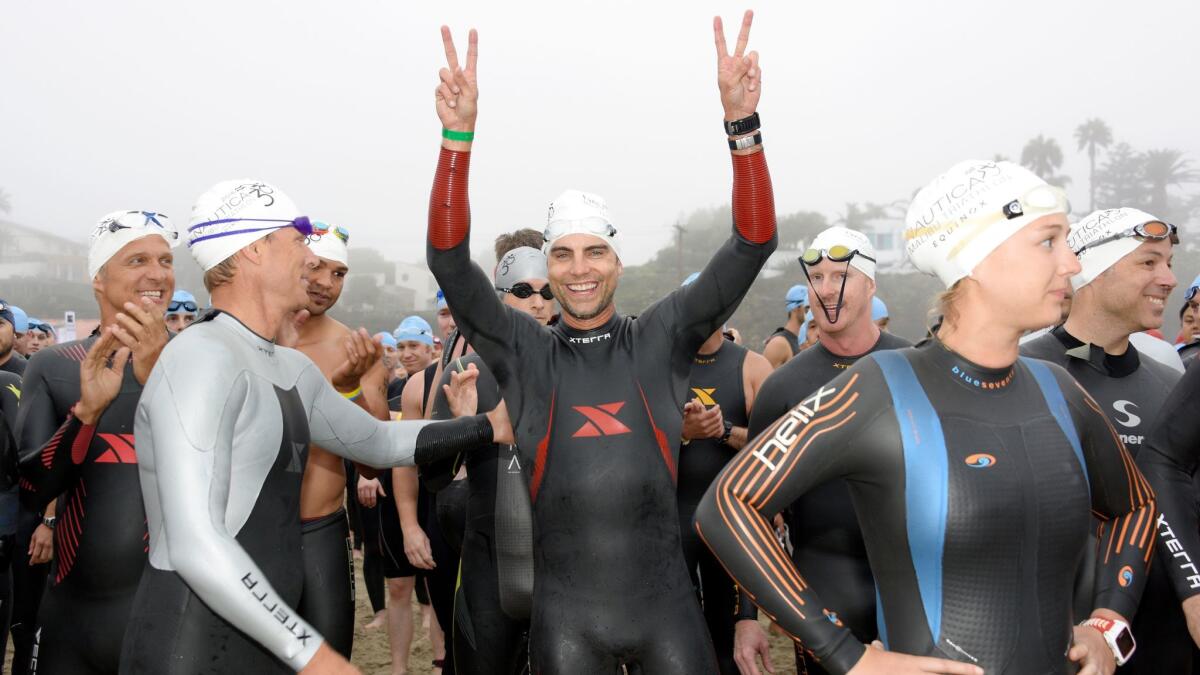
458,92
738,75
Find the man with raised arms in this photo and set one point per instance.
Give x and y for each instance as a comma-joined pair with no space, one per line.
598,398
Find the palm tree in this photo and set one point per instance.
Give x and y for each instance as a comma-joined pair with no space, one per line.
1161,169
1092,134
1043,156
5,202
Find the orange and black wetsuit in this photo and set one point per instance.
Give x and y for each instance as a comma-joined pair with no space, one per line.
599,413
972,486
100,541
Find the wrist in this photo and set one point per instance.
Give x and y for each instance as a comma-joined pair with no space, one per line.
87,414
49,521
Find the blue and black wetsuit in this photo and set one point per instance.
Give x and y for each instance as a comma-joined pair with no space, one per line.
973,487
100,539
597,415
827,543
1131,390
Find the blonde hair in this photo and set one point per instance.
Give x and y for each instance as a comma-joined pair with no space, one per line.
221,274
945,305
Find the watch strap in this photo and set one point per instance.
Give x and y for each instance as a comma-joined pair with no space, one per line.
1111,630
743,126
745,142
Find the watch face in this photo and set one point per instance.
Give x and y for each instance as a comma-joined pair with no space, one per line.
1125,642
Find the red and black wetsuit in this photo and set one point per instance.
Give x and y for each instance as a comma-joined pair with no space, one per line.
599,414
101,540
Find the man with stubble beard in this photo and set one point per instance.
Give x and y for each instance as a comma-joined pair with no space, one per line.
327,600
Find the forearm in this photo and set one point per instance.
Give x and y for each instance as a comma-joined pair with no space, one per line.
737,438
1126,548
406,489
1177,535
52,469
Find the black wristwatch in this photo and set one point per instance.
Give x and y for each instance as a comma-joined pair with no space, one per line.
49,521
743,126
728,432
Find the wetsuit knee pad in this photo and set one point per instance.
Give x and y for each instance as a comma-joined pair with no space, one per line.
327,601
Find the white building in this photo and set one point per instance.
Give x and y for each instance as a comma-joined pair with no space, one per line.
28,252
417,278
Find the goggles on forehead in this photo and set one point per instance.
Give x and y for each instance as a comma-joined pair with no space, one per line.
603,230
131,220
1037,201
320,229
836,253
524,290
186,305
1155,230
302,224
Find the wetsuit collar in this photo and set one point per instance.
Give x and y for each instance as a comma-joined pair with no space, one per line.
600,334
226,319
967,373
1112,365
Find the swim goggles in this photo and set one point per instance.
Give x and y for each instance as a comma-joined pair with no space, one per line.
837,253
302,224
1155,230
320,229
132,220
524,290
186,305
1039,200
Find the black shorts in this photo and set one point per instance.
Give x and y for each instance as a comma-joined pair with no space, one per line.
391,537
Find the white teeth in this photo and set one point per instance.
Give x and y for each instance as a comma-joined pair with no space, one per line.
1156,301
151,294
581,288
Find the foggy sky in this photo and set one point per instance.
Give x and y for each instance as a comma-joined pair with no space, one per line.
121,105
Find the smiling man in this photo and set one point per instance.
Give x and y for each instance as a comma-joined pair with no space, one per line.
1126,276
76,440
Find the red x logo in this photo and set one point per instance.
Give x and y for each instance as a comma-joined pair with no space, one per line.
602,420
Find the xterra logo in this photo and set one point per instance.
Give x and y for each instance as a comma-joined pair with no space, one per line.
602,420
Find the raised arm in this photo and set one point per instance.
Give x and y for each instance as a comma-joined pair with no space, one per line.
709,301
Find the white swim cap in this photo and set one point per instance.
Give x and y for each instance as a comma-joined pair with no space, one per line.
575,212
1101,255
829,239
234,214
966,213
119,228
331,242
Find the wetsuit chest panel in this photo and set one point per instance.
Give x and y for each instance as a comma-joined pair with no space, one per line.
716,379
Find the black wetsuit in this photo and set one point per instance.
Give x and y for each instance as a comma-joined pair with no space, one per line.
716,378
100,538
972,486
327,600
15,364
597,413
827,543
1131,390
793,340
391,535
486,640
10,397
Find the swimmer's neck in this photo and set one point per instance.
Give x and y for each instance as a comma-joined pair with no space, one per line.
981,338
252,307
1098,328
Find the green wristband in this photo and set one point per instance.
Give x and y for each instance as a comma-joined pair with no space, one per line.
466,136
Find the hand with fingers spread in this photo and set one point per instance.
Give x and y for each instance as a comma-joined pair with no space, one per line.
738,75
362,353
100,376
461,394
144,331
458,91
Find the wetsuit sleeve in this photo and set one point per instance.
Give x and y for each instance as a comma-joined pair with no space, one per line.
345,429
51,448
186,458
690,314
1122,500
817,440
493,329
1169,459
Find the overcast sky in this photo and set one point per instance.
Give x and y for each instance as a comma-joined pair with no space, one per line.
116,105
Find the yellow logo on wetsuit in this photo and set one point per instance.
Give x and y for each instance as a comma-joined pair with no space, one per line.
705,395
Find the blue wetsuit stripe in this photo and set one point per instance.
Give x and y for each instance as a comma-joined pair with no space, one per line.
879,620
1058,408
926,480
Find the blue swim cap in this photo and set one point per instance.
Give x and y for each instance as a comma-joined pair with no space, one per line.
20,319
182,302
386,339
879,309
797,296
414,328
440,299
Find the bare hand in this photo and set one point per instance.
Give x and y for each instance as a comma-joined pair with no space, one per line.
877,661
461,394
41,545
1091,652
750,644
502,431
144,331
328,662
100,377
417,548
369,491
738,75
362,353
457,95
701,422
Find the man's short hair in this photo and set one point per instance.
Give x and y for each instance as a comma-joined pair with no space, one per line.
523,237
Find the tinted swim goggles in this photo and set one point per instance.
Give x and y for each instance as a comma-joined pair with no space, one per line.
186,305
837,253
320,229
302,224
1155,230
132,220
524,290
